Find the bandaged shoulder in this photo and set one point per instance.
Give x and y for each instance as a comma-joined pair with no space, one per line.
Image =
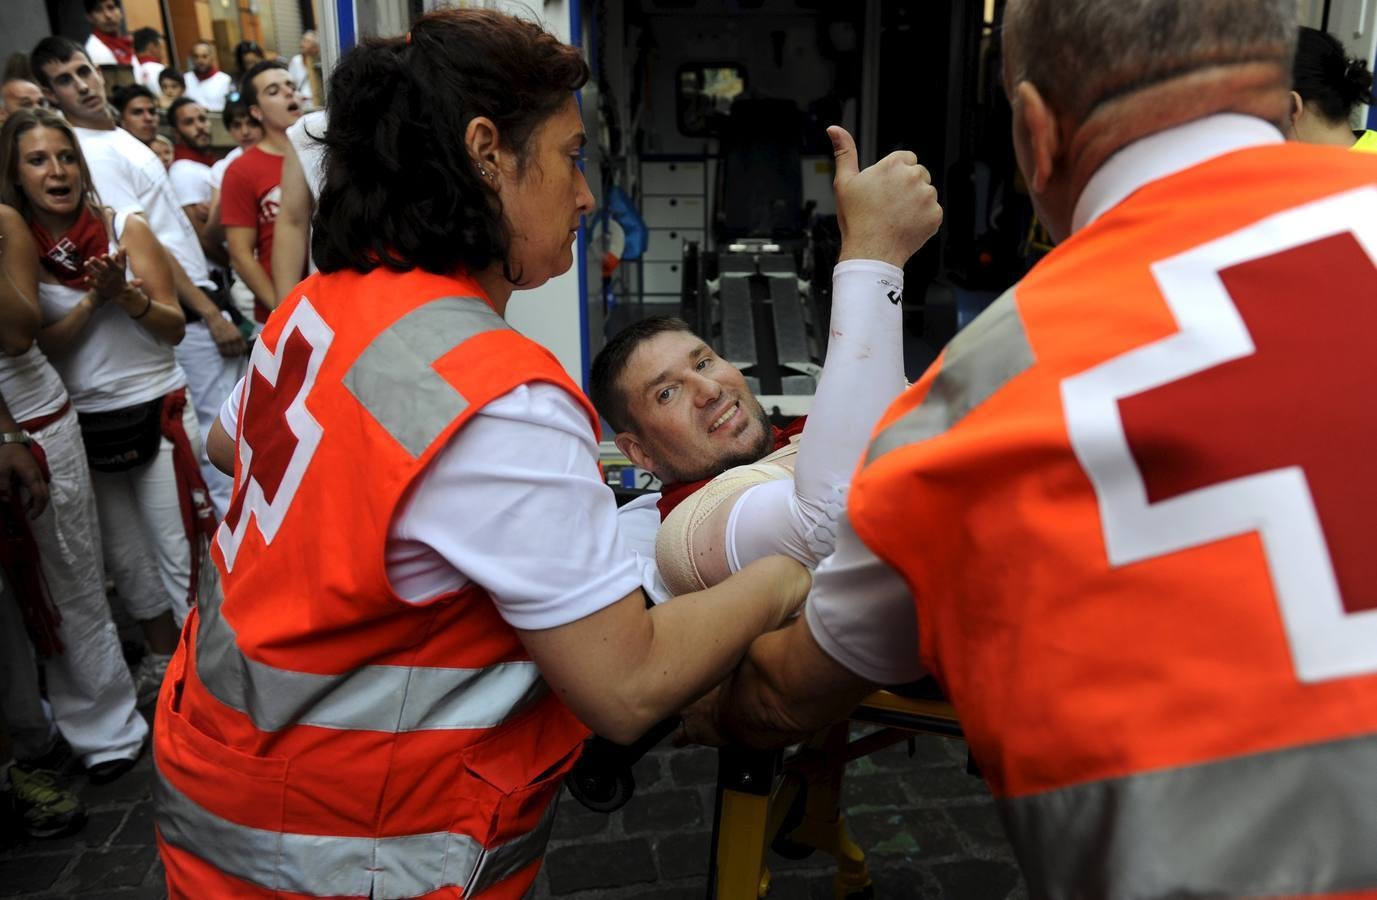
690,548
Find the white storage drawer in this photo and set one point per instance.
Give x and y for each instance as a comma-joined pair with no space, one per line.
679,177
668,243
672,212
662,278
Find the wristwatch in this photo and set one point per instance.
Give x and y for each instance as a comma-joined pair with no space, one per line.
15,437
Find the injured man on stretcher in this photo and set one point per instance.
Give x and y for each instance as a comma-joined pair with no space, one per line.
736,488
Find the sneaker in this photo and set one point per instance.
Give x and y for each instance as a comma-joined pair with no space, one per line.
45,809
58,758
148,676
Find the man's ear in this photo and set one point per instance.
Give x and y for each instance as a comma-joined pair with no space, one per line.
484,145
634,450
1036,124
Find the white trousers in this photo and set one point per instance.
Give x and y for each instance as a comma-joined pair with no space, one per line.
89,688
209,377
141,529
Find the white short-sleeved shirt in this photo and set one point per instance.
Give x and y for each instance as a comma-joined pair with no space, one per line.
513,503
862,614
129,176
146,74
190,181
217,171
301,75
211,92
98,53
305,134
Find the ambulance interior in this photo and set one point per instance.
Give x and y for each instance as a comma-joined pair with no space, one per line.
707,119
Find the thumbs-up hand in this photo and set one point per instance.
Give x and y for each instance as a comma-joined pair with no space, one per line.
886,212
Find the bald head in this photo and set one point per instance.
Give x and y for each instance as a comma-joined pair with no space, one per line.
1082,53
17,94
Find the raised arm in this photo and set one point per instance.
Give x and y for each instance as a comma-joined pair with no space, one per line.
886,212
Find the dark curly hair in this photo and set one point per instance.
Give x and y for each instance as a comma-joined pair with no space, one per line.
1326,76
400,188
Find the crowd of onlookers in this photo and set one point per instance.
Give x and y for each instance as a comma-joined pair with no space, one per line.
136,267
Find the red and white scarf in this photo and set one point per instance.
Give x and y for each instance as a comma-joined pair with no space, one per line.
65,256
122,46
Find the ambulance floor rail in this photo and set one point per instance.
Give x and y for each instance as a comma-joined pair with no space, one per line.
793,804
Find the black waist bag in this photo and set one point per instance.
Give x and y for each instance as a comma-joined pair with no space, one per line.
122,439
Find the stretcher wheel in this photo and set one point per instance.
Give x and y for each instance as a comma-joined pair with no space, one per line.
604,791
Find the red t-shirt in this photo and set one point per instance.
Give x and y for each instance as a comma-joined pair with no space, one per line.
249,198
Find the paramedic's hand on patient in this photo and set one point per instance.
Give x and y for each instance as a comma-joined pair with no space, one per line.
623,669
887,212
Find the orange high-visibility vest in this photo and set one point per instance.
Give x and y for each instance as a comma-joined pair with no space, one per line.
317,735
1135,504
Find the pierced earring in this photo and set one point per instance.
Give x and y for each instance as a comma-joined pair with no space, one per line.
485,173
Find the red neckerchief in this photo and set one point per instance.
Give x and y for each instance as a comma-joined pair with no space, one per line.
19,562
65,257
182,151
148,59
214,70
120,45
671,495
198,516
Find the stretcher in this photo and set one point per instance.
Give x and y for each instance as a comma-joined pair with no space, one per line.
792,803
788,802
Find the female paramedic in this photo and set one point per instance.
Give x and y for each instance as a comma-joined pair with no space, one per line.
426,601
1327,86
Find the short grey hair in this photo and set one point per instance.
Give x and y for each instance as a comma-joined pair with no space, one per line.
1082,53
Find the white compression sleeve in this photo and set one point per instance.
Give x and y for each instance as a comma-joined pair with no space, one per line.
863,374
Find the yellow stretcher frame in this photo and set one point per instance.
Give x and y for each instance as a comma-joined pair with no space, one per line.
758,798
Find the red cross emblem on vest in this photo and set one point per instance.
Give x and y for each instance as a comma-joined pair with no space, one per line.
277,433
1255,417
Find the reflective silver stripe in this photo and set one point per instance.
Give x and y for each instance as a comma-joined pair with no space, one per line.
324,866
372,698
980,360
516,854
1297,821
395,380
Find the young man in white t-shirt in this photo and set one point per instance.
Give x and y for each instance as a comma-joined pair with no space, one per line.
129,176
148,59
106,45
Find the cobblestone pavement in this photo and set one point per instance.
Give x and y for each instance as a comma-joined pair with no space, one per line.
929,830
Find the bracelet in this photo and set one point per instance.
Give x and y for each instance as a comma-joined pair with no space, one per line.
147,306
